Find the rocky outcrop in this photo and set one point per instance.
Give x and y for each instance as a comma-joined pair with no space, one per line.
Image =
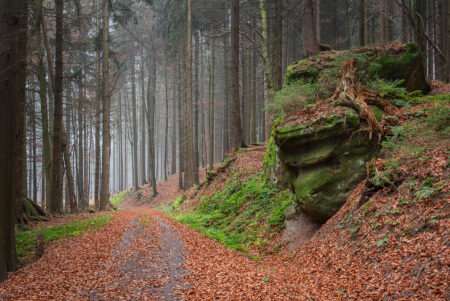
324,148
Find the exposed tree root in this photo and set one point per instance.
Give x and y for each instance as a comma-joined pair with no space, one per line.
31,211
350,93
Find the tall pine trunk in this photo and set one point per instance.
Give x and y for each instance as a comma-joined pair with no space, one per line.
106,145
135,135
56,199
143,124
211,106
190,162
236,129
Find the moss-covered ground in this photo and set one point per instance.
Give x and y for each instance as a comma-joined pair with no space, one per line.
245,214
26,239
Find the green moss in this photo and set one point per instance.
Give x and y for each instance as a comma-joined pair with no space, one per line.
241,215
407,67
26,240
117,199
377,112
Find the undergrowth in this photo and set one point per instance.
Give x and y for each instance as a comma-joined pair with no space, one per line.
118,199
26,240
244,215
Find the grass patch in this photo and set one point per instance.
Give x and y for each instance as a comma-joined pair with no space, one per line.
118,199
244,215
26,240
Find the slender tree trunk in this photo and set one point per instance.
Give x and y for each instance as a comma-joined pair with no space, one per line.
382,22
278,47
318,15
267,69
253,100
106,145
47,156
180,136
226,92
143,124
69,174
310,42
135,135
236,129
80,169
347,25
362,22
211,106
56,199
166,127
448,41
196,100
174,124
97,116
190,162
151,89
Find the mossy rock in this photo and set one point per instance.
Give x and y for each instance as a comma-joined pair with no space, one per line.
406,66
324,162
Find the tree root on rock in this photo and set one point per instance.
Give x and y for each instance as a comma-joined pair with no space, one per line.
350,93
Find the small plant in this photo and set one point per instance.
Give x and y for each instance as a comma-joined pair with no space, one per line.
383,241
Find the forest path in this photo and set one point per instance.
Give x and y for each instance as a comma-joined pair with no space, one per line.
145,255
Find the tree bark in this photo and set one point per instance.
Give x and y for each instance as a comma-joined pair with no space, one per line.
8,131
151,121
196,100
56,199
47,155
98,100
310,43
226,92
190,176
236,129
211,105
278,46
362,23
135,135
106,145
143,124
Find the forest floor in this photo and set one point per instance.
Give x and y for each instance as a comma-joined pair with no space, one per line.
393,247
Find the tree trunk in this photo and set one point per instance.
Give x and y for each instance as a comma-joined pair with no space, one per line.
8,130
362,23
190,176
236,129
267,68
98,100
80,170
135,136
56,199
196,100
318,27
226,92
106,145
143,124
69,174
448,41
310,42
174,124
211,105
166,126
46,148
278,47
151,89
180,135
